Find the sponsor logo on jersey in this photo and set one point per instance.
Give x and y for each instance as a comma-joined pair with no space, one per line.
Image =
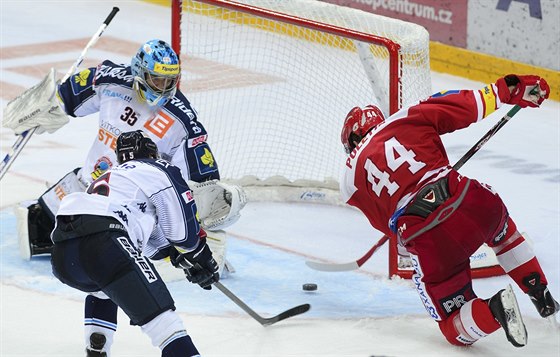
81,81
101,166
205,159
142,206
163,68
488,100
139,259
178,103
113,94
160,124
118,72
107,138
59,191
191,143
187,196
122,216
82,78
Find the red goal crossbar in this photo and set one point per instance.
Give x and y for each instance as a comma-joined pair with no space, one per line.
395,85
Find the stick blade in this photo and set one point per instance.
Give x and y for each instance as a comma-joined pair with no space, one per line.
294,311
331,267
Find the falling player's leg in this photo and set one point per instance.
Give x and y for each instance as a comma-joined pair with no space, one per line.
516,256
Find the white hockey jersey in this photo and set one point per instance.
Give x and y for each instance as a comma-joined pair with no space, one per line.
150,198
107,89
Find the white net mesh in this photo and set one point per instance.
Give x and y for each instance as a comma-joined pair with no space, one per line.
274,95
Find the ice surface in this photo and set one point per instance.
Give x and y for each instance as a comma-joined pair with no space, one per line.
359,313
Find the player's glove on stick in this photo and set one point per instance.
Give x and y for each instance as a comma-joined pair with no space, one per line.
529,91
199,265
36,107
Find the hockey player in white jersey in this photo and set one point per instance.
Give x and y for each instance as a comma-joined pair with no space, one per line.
142,95
141,208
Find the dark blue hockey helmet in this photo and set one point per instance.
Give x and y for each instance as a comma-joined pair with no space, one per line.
135,145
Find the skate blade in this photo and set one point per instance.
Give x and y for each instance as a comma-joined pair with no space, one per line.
516,331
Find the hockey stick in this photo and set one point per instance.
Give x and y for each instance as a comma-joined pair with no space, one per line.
24,137
350,265
473,150
300,309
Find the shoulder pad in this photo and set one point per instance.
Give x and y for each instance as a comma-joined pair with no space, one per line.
110,73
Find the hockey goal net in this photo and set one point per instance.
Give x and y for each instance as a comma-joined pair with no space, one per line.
274,81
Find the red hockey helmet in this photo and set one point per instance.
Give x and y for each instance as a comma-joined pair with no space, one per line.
358,123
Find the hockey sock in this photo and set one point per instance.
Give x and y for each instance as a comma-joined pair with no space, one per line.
522,275
470,323
180,347
100,315
517,258
167,332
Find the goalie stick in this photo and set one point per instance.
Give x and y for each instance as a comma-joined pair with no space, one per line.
24,137
333,267
265,321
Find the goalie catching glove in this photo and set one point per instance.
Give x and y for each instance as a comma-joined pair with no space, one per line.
528,91
199,265
218,204
36,107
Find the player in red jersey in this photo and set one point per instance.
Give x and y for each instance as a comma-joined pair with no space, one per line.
398,174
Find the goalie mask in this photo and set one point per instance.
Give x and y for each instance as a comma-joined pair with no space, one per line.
135,145
358,123
156,72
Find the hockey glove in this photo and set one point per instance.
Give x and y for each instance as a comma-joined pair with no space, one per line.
218,204
529,91
199,265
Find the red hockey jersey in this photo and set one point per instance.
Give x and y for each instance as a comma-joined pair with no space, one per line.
405,152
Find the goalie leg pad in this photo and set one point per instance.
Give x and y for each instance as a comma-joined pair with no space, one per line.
34,228
21,211
36,218
216,241
68,184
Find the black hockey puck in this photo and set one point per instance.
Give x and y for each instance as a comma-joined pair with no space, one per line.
309,287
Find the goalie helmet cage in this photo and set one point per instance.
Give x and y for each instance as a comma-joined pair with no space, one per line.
274,81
